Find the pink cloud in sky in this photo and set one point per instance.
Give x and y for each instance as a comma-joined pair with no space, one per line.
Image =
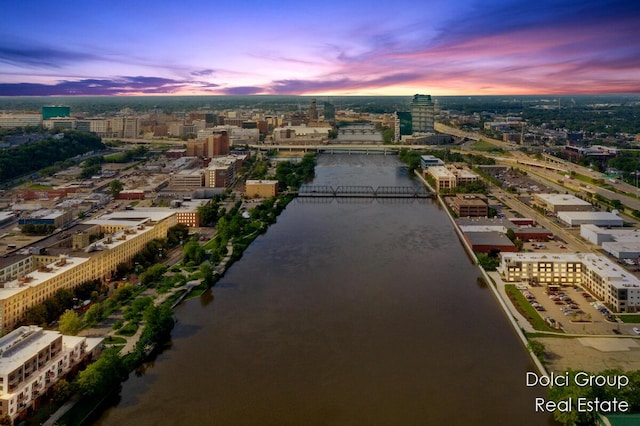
437,47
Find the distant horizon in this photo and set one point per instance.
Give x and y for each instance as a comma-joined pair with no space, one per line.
288,48
320,96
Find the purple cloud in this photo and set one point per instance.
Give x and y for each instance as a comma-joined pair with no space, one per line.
202,73
294,87
242,90
38,56
103,87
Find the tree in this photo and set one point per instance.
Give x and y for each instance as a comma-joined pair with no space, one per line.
62,391
208,278
208,214
115,187
572,391
519,244
94,314
616,204
192,252
70,323
152,274
158,325
36,315
177,234
99,377
123,293
488,262
6,420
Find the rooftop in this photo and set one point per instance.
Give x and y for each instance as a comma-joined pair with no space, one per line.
562,200
20,345
441,171
491,238
37,277
485,222
620,235
23,343
259,181
133,217
464,173
589,215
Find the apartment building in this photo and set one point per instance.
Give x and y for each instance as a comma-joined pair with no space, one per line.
32,360
609,282
41,276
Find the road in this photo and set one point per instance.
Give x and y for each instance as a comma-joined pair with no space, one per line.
553,169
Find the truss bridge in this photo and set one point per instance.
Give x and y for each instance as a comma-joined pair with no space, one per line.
363,191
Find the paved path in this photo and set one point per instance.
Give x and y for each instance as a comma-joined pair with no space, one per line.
51,421
521,320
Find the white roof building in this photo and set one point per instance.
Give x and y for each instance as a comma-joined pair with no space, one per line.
620,243
32,360
561,202
576,218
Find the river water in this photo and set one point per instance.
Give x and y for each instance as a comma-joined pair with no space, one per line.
346,312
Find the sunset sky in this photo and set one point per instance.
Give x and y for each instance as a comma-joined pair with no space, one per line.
331,47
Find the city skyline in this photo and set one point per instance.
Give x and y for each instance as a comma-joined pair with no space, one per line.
507,47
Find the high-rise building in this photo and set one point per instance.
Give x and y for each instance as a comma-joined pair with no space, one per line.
422,112
329,112
55,111
312,115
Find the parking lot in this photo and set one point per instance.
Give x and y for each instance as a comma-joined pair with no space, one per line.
574,311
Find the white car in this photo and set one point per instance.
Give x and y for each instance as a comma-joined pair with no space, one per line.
636,330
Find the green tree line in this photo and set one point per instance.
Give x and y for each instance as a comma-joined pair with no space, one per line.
25,159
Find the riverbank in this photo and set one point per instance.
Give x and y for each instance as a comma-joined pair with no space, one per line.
515,319
562,351
342,309
235,231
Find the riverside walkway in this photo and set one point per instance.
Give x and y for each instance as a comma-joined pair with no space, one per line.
131,341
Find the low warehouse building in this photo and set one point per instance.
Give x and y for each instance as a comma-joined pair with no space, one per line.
594,218
484,242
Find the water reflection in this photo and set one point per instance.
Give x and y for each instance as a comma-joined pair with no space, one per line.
342,313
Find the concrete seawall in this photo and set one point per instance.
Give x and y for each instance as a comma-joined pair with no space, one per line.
488,280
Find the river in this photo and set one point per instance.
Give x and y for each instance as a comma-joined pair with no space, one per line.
346,312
